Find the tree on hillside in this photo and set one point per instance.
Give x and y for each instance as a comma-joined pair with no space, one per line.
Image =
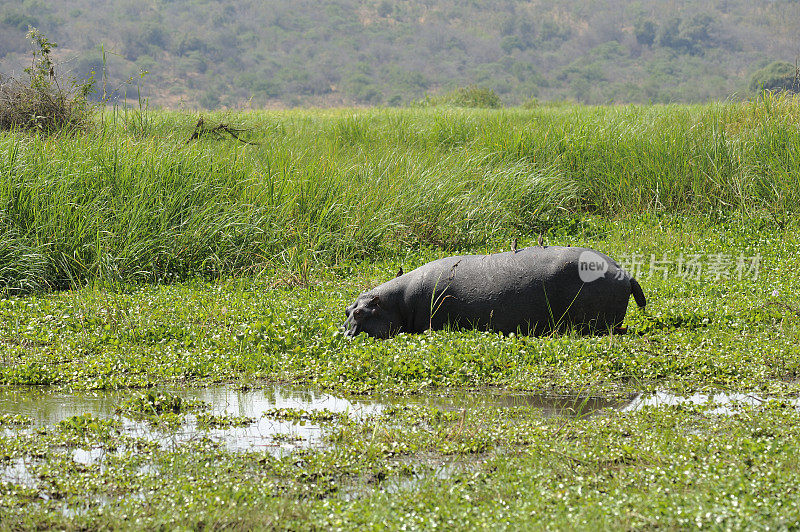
691,36
645,31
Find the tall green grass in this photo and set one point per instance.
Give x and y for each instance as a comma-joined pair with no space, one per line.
133,201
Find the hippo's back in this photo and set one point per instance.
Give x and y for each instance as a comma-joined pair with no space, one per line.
531,290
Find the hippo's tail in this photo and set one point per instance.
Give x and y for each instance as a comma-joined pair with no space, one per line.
638,295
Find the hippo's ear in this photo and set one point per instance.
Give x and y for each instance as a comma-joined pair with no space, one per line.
374,301
399,272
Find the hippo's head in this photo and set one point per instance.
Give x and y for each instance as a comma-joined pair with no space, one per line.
371,315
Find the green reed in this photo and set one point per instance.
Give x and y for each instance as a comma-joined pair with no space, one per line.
135,201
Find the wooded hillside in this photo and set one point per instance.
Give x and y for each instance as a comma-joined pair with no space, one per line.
224,53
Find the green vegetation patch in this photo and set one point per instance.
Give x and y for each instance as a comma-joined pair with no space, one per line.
470,96
300,416
776,76
222,421
214,261
166,410
134,203
86,426
14,419
155,403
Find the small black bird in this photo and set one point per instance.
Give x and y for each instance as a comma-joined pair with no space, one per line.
541,240
514,245
399,272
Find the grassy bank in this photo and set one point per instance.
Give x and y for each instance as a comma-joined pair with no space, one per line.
135,201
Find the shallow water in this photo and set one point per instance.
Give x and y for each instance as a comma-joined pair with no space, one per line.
546,405
16,472
718,403
46,406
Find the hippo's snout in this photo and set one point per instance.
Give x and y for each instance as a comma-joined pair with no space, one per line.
366,315
350,327
347,327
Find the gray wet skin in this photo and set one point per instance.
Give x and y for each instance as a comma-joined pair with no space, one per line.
531,291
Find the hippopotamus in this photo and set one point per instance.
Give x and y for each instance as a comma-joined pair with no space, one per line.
530,291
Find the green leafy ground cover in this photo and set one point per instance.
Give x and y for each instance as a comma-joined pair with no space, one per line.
695,333
273,316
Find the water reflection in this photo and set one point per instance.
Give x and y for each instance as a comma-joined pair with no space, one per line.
267,433
16,472
546,405
48,406
718,403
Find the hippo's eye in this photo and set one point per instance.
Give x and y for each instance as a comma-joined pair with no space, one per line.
358,313
374,301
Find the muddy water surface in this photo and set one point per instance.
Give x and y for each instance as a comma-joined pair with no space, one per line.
717,403
46,406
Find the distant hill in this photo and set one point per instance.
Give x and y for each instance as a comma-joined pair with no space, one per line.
225,53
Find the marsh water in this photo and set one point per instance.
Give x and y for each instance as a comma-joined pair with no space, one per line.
716,403
47,406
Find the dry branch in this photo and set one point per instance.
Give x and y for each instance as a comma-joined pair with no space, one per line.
201,129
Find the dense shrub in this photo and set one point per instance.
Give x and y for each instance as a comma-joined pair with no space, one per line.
777,76
688,36
469,96
41,102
